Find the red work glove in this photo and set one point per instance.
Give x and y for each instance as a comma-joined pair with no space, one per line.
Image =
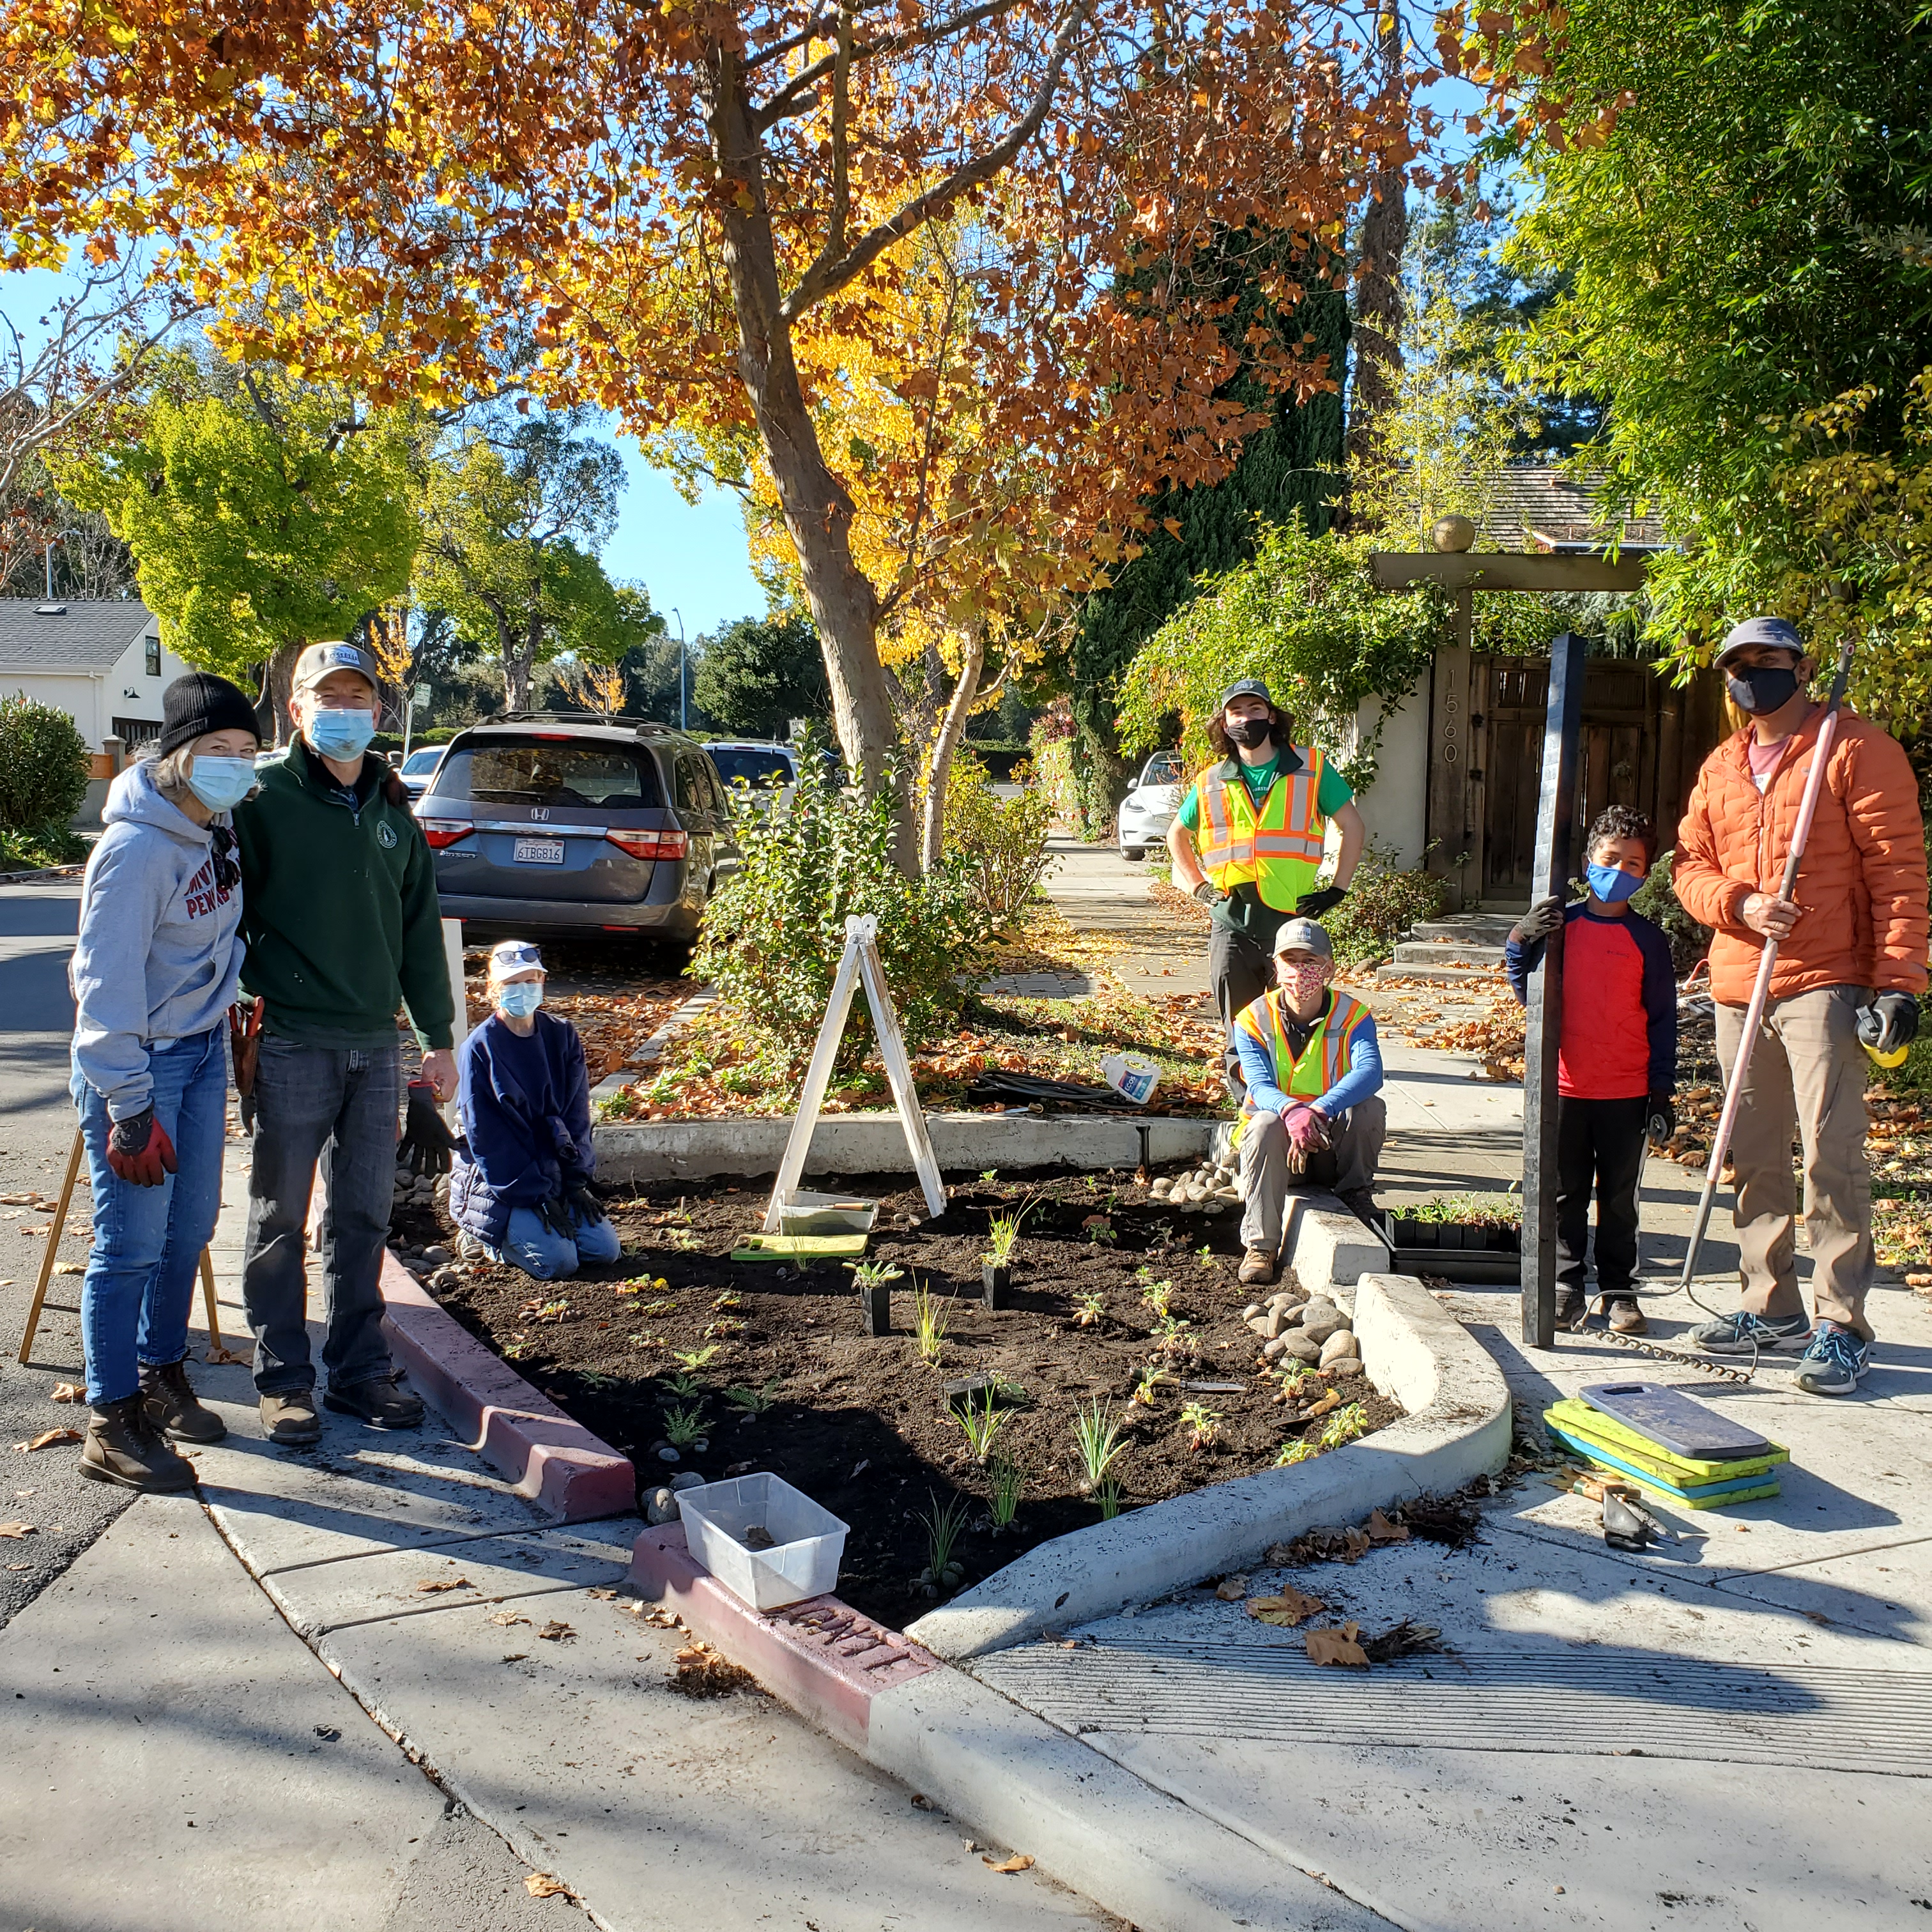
139,1149
1307,1127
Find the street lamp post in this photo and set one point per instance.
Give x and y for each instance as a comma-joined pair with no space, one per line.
683,700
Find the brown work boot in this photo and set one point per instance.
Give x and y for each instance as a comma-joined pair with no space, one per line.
1258,1267
174,1408
123,1447
381,1403
1624,1315
288,1417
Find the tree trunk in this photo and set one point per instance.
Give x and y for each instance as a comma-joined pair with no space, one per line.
278,681
932,832
817,508
1378,308
517,660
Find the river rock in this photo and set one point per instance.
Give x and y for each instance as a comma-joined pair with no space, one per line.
438,1254
1298,1348
1274,1350
1345,1365
1249,1313
1162,1189
1274,1322
686,1479
1260,1325
661,1507
1320,1319
1339,1344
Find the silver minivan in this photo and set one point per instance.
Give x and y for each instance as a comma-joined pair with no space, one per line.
545,823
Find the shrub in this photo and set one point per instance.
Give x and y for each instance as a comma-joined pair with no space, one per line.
44,766
1384,900
1656,899
1001,844
774,934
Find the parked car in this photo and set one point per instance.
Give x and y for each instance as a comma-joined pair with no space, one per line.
415,770
755,762
1148,810
542,824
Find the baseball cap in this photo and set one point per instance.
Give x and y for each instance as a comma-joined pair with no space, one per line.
1775,631
316,662
513,955
1302,935
1248,687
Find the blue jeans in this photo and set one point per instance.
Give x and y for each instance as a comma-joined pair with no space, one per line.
148,1240
337,1105
528,1244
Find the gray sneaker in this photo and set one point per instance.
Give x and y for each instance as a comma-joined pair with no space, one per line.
1835,1364
1746,1334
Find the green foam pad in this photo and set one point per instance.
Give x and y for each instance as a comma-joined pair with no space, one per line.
800,1248
1575,1418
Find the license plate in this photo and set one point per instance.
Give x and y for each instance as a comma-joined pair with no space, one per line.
538,852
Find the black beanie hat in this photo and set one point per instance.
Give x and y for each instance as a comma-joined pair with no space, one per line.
193,705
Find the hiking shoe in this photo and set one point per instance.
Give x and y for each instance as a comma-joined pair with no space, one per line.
1835,1364
1624,1315
1361,1202
174,1408
1573,1312
125,1448
381,1402
1744,1333
1257,1268
288,1417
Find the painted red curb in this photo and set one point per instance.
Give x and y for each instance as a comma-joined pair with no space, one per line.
821,1656
551,1458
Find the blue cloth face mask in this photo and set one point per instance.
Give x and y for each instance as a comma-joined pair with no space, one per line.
1613,884
343,735
520,998
221,783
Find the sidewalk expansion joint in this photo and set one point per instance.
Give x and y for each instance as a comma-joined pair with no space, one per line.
318,1631
441,1543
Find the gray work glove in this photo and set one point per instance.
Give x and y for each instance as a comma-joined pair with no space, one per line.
1540,921
1209,893
1891,1021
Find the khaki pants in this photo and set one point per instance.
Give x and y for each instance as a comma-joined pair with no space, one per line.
1807,1076
1265,1180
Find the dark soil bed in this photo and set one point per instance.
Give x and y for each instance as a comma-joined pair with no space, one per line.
862,1424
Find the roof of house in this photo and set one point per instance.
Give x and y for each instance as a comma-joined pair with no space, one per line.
1537,507
88,634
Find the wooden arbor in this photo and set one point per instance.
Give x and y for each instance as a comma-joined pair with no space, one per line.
1465,573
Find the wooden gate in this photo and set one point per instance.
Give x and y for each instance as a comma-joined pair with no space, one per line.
1642,741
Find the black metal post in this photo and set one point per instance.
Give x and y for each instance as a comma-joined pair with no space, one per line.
1556,815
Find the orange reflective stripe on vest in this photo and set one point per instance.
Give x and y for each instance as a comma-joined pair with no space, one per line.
1322,1062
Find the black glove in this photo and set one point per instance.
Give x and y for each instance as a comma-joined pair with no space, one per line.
139,1149
584,1205
426,1141
553,1213
1323,898
1209,893
1663,1118
1891,1021
1540,921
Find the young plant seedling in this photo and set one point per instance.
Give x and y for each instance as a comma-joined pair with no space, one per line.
1157,1295
725,1324
1007,1481
874,1279
929,1319
1093,1309
683,1383
1204,1255
728,1300
1097,1430
1099,1231
1108,1497
1204,1422
1147,1383
664,1305
942,1526
752,1401
683,1425
1344,1426
694,1359
980,1424
1003,1233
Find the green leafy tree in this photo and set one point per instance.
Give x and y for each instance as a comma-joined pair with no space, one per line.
259,520
503,512
758,673
1739,202
1289,469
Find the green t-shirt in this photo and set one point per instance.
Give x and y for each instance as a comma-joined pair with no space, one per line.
1333,792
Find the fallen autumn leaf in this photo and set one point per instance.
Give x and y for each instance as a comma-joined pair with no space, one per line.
430,1585
47,1439
66,1392
1018,1862
1292,1606
541,1885
16,1529
1337,1647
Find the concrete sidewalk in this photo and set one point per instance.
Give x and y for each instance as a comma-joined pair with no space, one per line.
412,1648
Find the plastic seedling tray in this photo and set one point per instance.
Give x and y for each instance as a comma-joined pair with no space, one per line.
826,1214
807,1542
1458,1251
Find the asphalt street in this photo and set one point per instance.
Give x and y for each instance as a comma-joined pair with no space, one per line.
37,1120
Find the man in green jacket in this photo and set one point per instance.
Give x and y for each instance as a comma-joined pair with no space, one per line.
340,911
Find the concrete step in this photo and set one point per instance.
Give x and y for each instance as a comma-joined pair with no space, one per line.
1445,976
1477,928
1446,952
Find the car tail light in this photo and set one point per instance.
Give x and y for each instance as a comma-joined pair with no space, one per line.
651,845
442,831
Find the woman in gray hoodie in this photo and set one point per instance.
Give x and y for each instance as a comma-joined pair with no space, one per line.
153,971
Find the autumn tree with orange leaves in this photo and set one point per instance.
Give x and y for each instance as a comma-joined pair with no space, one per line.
664,210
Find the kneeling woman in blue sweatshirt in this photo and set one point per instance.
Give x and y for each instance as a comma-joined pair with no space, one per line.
521,1182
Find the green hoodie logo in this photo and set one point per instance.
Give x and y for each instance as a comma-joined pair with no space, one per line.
385,835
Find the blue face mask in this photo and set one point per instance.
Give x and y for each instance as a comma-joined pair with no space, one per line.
221,783
342,735
520,998
1613,884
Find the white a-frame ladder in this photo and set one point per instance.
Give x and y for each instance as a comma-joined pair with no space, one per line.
860,961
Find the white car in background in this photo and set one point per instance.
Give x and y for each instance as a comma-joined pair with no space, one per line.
1148,810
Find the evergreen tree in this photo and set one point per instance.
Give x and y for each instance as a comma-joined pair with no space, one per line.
1289,469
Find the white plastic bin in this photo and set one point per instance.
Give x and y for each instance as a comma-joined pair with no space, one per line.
808,1542
826,1214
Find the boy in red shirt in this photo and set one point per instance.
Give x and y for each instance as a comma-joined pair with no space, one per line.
1616,1060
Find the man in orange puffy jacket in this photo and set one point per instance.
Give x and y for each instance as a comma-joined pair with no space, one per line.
1852,944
